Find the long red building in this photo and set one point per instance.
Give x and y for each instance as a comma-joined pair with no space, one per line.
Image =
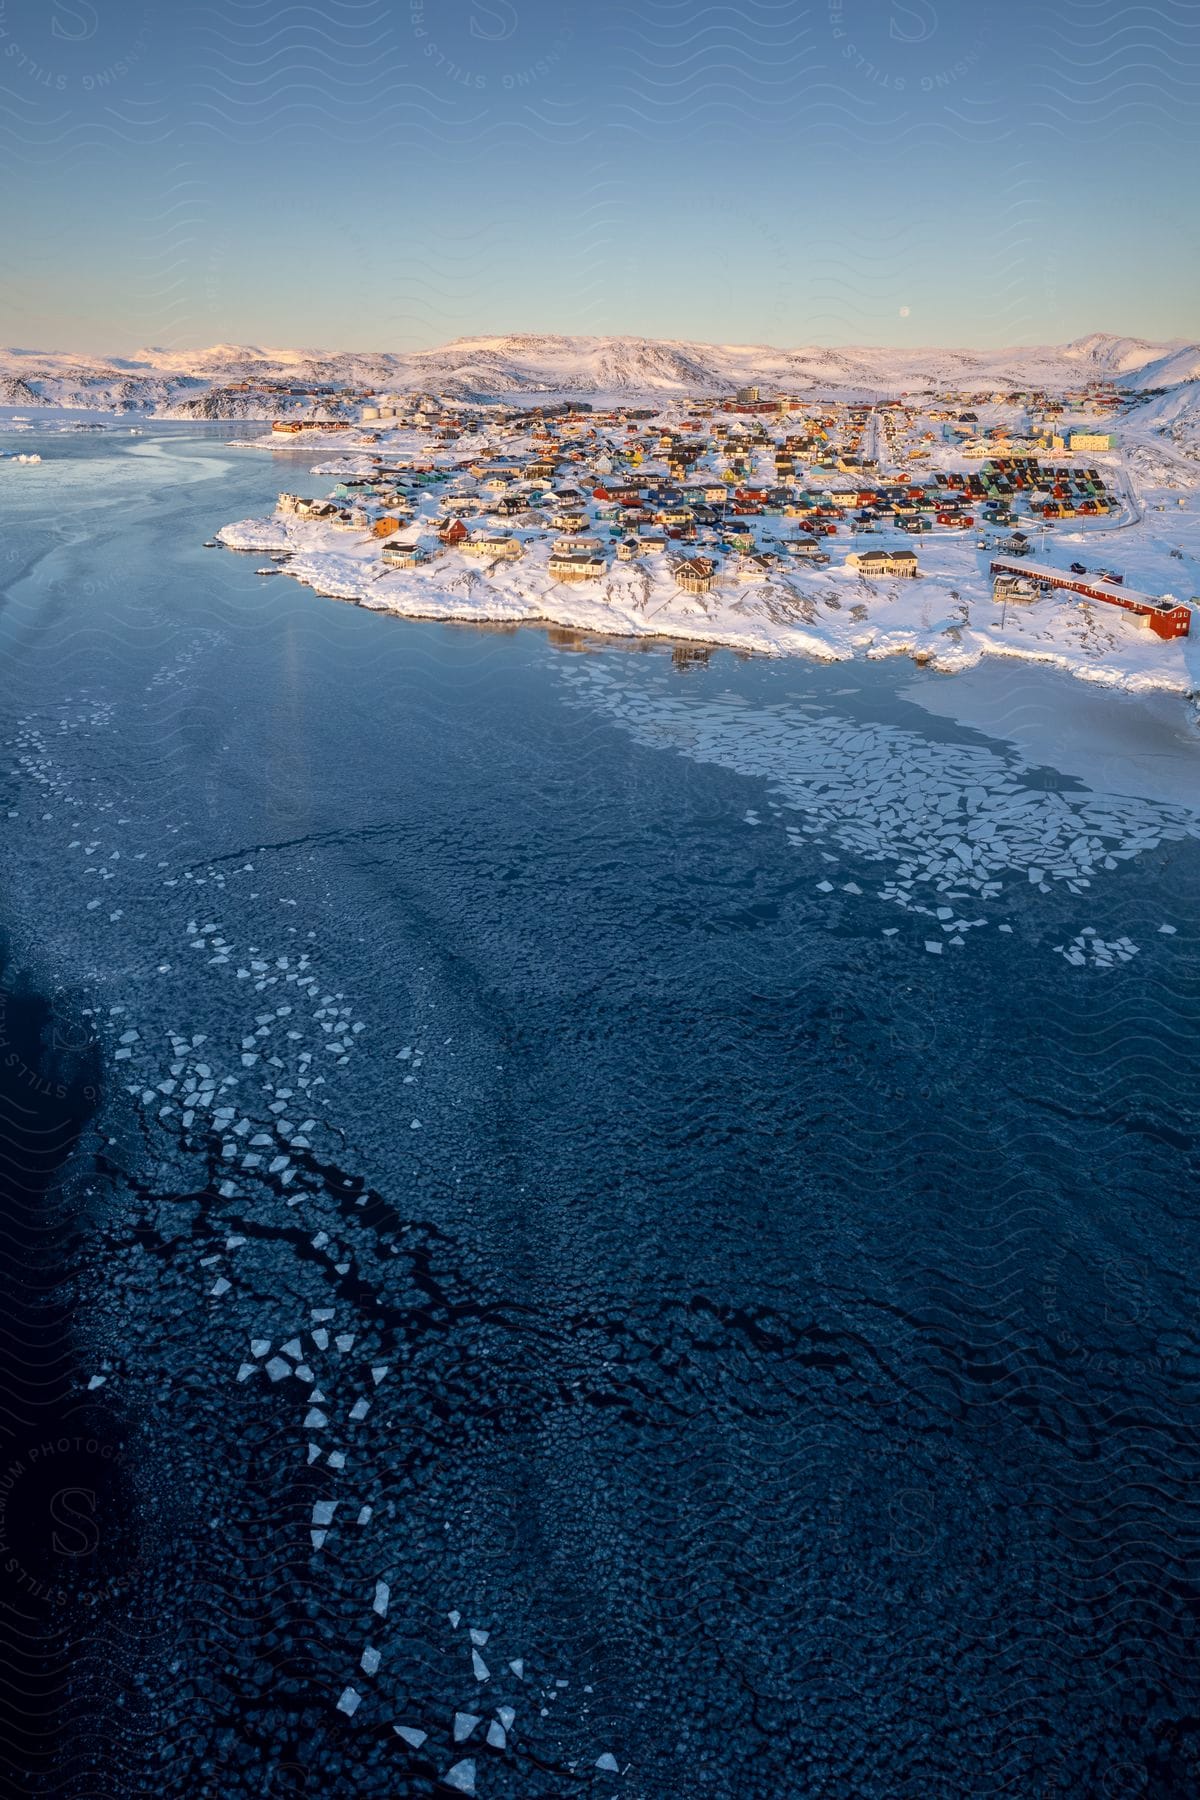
1166,618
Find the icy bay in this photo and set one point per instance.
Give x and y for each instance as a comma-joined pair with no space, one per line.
635,1232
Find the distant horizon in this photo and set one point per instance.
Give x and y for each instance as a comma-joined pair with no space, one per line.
267,347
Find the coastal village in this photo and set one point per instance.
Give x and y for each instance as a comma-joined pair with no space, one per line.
942,525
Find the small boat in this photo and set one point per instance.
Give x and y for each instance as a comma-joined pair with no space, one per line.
211,544
269,571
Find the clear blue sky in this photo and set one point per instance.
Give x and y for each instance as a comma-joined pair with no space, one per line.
391,173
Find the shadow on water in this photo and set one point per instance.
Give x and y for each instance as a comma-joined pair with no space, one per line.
65,1523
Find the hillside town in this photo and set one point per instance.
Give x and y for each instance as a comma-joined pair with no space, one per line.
942,525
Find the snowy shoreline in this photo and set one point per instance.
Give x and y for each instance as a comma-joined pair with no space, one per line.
831,615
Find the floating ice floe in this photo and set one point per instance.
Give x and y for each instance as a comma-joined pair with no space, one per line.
946,819
249,1113
1089,948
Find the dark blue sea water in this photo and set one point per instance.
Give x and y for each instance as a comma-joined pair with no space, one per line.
524,1172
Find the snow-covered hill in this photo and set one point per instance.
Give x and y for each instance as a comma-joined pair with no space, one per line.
205,383
1177,365
1103,357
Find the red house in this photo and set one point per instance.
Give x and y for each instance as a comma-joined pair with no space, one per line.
1167,618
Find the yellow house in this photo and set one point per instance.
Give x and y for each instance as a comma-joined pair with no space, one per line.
507,548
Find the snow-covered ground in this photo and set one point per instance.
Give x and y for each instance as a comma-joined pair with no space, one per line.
946,618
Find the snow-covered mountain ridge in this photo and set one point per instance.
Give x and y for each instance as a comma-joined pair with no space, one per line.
210,383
